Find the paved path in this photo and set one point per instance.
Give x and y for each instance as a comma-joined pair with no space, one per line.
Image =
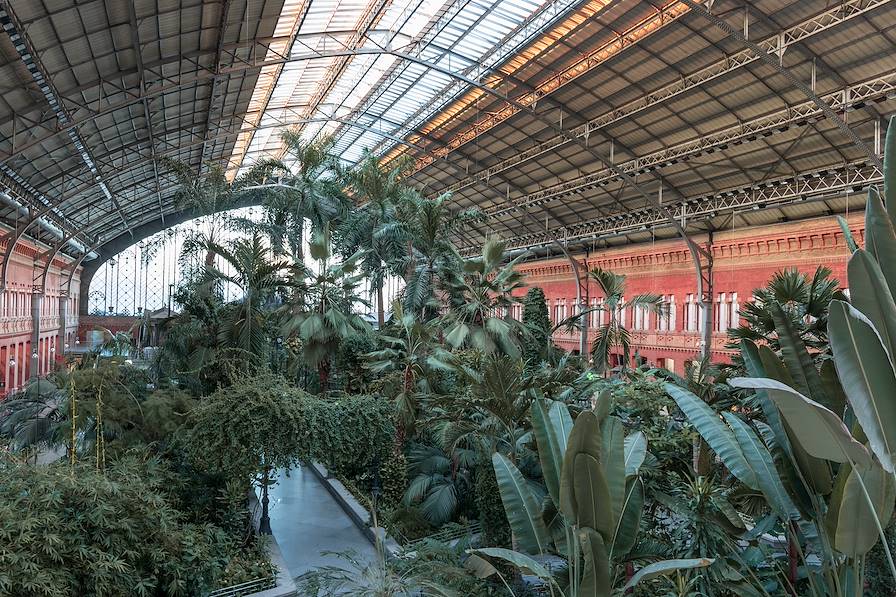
306,520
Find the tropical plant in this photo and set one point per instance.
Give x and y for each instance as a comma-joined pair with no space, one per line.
614,334
80,531
491,413
480,294
429,224
407,348
595,497
438,482
537,322
243,323
792,294
373,228
323,314
116,344
309,191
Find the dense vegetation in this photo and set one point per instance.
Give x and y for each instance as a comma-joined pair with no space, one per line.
770,476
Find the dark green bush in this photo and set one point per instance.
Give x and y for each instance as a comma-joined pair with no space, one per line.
264,421
82,533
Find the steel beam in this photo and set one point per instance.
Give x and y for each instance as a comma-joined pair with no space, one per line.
872,90
811,186
779,43
775,59
32,63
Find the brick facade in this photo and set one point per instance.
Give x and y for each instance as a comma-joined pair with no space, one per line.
26,264
743,260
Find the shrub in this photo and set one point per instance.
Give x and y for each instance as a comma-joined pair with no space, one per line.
538,324
80,532
263,421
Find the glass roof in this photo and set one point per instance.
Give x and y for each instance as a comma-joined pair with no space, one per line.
375,100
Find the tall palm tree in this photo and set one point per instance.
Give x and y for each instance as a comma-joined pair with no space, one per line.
305,185
375,227
322,316
408,347
430,252
258,276
209,196
613,333
480,294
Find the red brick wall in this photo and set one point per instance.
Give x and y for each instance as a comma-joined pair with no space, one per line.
25,266
743,260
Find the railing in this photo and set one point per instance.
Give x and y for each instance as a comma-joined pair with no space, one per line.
246,588
448,535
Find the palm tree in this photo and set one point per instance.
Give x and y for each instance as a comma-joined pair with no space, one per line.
803,300
407,349
322,315
259,277
309,190
438,481
480,294
430,252
613,333
375,227
206,196
492,415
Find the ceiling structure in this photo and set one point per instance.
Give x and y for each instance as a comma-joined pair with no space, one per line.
564,120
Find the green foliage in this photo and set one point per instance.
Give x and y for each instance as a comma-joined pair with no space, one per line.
613,333
480,293
804,301
495,530
538,325
79,532
350,361
263,422
322,315
599,503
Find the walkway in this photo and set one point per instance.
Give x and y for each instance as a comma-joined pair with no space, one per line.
306,520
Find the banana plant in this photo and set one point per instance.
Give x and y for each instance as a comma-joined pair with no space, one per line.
825,456
593,505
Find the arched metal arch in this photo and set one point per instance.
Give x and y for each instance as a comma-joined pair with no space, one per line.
73,194
13,239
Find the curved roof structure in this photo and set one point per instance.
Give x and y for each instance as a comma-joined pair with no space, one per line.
580,121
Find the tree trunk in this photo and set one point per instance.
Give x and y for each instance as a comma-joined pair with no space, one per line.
323,373
701,458
380,309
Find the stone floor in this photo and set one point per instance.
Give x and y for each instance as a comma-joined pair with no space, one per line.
306,520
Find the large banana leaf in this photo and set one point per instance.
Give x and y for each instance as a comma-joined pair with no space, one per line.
635,453
665,567
584,438
831,381
613,462
584,495
596,575
761,461
819,430
870,294
629,520
815,471
716,433
522,508
755,368
799,363
593,500
850,520
868,377
880,238
520,560
890,168
552,425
